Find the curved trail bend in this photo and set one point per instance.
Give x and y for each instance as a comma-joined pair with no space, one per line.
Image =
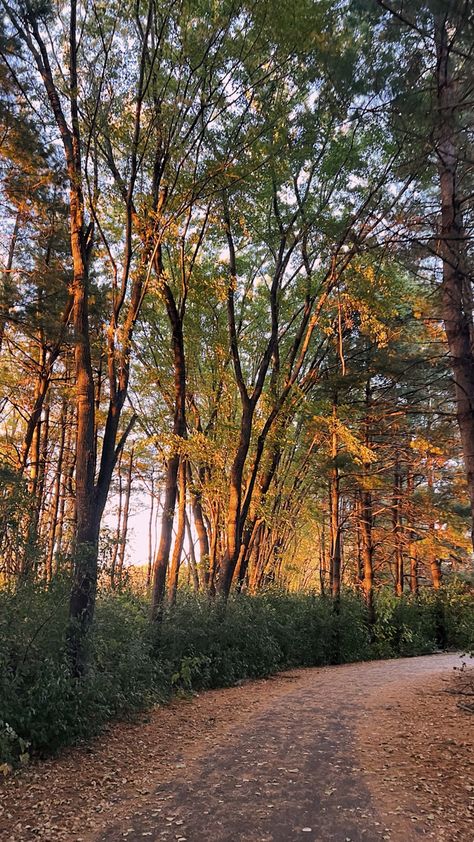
356,753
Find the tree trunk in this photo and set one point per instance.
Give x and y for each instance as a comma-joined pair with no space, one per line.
397,532
41,495
366,523
55,500
457,282
234,524
214,536
411,536
203,538
334,506
118,528
6,280
126,511
64,496
179,429
192,555
82,601
179,537
436,573
150,532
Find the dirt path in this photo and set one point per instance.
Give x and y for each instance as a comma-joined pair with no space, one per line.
357,753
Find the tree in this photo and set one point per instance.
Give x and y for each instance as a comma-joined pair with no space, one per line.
436,41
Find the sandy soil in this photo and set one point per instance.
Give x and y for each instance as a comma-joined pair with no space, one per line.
373,751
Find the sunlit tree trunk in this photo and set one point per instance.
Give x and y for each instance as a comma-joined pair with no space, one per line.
366,523
436,573
64,524
334,509
179,537
56,495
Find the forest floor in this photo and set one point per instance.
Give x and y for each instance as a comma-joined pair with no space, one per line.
355,753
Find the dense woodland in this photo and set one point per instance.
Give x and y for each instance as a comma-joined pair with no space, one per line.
236,294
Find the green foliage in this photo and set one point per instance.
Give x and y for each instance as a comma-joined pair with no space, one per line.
419,625
404,626
455,605
201,644
14,504
42,706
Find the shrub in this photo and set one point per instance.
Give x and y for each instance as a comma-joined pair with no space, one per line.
200,644
40,702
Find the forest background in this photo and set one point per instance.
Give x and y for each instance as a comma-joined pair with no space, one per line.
236,291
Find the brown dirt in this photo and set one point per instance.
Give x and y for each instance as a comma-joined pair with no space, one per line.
373,751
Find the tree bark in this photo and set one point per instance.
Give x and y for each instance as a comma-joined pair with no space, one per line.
118,528
179,430
126,512
366,523
457,283
411,536
397,532
6,276
179,537
55,500
334,506
192,556
150,532
203,538
436,573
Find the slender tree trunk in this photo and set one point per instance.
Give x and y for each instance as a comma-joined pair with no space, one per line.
150,532
322,559
118,528
64,495
249,532
213,549
359,572
192,555
203,538
55,500
41,495
125,516
234,524
411,536
179,537
366,523
334,507
171,487
6,277
162,556
34,478
397,532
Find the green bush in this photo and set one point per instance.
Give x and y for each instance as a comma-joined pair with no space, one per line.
42,707
404,626
456,607
200,644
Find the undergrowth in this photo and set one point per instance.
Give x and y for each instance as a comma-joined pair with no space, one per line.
201,645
